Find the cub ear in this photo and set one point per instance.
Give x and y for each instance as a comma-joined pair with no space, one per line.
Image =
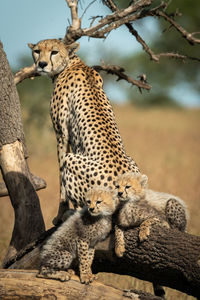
73,47
31,45
144,180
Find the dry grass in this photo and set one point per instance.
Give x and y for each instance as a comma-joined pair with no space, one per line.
166,146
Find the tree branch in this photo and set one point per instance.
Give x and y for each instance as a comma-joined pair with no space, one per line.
118,18
24,73
38,184
153,260
75,28
158,12
188,36
118,71
105,25
23,284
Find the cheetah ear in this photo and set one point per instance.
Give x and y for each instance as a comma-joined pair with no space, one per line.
73,47
31,45
144,180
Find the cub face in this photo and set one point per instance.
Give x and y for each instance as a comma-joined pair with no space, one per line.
51,56
131,186
101,201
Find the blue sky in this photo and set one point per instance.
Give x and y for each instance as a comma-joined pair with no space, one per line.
23,21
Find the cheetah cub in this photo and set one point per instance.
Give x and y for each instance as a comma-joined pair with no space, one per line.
76,238
144,207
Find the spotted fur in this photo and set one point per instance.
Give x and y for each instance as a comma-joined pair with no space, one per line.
143,206
84,122
77,237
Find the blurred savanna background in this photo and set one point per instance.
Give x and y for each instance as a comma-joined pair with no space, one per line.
160,128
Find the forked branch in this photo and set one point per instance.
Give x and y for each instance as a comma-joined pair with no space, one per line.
160,12
135,11
119,72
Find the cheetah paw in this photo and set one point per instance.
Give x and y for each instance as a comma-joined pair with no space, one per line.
87,278
57,275
144,233
119,251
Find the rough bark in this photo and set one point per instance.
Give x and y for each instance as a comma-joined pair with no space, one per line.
20,284
169,257
10,114
29,222
37,182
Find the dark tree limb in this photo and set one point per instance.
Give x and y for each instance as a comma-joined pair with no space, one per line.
119,72
169,257
38,184
29,222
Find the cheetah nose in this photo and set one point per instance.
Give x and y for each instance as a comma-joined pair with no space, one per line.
42,64
120,194
91,209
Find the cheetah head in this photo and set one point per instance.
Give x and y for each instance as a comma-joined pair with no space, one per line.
51,56
101,201
131,186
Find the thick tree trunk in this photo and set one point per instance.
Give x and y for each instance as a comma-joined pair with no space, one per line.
169,257
29,222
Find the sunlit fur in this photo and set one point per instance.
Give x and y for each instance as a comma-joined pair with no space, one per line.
101,201
131,186
76,238
52,52
134,187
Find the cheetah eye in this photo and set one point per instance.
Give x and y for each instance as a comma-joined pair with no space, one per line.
54,52
88,202
117,186
99,201
127,187
37,51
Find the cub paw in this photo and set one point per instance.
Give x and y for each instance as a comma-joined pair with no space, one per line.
87,278
144,233
119,251
57,275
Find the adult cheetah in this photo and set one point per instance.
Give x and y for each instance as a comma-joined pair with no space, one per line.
84,123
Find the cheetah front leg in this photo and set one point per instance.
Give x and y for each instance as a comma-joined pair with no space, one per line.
62,149
85,256
145,227
119,241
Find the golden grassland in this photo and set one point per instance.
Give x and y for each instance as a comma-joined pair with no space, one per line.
165,143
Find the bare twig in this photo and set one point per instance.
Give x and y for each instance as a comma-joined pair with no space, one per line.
134,11
188,36
156,11
117,19
105,25
118,71
113,7
177,56
87,8
94,18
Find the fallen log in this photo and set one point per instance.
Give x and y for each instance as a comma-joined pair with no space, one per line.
169,257
23,284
